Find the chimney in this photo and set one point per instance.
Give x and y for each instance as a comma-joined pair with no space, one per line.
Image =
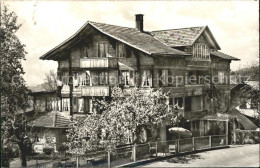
139,22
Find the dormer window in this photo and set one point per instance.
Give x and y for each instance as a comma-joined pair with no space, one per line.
201,51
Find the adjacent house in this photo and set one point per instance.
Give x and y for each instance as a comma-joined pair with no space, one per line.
100,56
48,125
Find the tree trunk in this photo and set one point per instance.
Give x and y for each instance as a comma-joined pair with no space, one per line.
23,159
22,154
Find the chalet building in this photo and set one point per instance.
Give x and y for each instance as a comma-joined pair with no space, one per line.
100,56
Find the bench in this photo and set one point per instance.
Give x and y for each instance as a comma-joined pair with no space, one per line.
172,148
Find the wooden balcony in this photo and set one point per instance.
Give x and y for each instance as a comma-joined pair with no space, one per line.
95,90
98,62
194,90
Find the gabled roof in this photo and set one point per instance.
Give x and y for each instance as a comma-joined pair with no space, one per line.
223,55
184,36
142,41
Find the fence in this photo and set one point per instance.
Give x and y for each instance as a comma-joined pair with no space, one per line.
135,152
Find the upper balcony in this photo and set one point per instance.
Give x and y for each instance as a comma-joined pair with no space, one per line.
98,62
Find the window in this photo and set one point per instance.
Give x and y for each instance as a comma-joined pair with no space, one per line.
120,50
191,77
75,79
84,51
65,104
178,102
88,105
194,103
65,78
55,104
80,105
99,78
146,78
201,51
103,78
221,77
84,79
125,78
102,50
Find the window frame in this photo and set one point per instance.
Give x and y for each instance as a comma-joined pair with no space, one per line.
104,52
66,101
146,78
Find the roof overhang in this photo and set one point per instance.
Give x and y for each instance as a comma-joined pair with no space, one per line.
53,53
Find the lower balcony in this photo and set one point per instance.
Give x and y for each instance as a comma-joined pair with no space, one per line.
95,91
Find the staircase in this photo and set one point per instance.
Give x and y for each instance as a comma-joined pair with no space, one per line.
244,121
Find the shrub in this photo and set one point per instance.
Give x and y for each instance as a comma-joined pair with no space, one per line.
247,136
48,151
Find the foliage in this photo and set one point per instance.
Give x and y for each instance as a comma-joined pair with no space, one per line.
14,93
247,136
48,151
62,148
248,72
122,118
50,81
224,102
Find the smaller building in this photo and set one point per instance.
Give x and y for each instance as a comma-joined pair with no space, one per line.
48,124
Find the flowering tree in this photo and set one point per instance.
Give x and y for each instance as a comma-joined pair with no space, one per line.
122,117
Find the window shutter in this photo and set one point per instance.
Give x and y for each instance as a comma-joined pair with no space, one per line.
75,109
86,105
165,77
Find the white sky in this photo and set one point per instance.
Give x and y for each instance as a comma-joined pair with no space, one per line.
46,24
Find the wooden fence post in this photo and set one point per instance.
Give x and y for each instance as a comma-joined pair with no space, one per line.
227,132
210,145
156,148
108,159
178,145
134,152
193,143
77,160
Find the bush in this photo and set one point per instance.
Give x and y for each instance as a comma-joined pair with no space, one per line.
247,136
62,148
48,151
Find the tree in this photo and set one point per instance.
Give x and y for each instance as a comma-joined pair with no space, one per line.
120,118
50,81
14,93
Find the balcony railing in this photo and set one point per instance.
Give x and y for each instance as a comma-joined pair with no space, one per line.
194,89
95,90
98,62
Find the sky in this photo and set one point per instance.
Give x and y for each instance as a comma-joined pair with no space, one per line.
45,24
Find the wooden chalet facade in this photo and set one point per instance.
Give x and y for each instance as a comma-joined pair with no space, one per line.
100,56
